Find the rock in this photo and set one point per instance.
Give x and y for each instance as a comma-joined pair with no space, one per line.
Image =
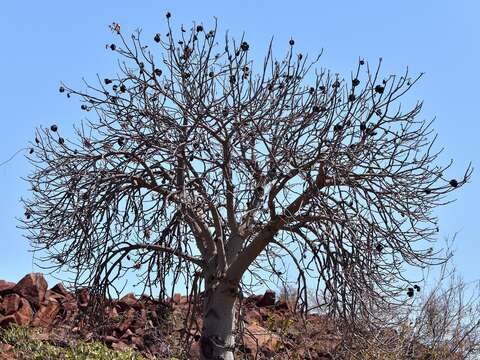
10,304
32,287
5,321
23,316
257,337
83,296
60,289
45,316
120,346
130,300
268,299
6,287
128,318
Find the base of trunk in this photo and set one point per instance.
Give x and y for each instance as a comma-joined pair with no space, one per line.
218,337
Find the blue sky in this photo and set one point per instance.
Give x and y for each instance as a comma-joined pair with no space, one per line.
44,43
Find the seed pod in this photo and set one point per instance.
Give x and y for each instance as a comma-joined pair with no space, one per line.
158,72
113,47
355,82
410,292
291,42
453,183
156,38
379,89
61,89
54,128
168,15
245,46
107,81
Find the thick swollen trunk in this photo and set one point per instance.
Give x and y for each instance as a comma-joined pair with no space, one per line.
218,338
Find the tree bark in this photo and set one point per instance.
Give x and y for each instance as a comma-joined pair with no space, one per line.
219,322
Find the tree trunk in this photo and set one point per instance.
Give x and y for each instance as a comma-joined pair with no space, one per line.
218,338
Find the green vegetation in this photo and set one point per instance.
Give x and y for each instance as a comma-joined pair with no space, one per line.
27,346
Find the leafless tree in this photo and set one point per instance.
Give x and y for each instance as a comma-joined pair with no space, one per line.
206,168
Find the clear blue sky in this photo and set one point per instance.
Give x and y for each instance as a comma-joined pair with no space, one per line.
43,43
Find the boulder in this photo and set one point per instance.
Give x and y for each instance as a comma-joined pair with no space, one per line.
130,300
10,304
24,313
83,296
45,316
6,286
268,299
257,337
60,289
32,287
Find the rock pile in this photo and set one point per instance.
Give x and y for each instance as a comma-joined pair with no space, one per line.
129,321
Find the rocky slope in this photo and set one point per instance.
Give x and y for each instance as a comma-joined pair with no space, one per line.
159,329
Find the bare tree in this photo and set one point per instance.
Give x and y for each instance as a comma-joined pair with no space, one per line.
206,168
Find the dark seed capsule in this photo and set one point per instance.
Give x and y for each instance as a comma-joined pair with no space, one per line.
168,15
316,109
453,183
351,97
379,247
31,151
363,127
121,141
123,88
416,287
362,62
245,46
107,81
211,74
37,140
427,191
156,38
232,79
158,72
61,89
410,292
61,141
113,47
84,107
291,42
199,28
54,128
311,90
338,127
379,89
355,82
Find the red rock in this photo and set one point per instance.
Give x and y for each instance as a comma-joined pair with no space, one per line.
60,289
32,287
130,300
5,321
24,314
6,286
268,299
257,337
83,296
120,346
45,316
10,304
128,318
